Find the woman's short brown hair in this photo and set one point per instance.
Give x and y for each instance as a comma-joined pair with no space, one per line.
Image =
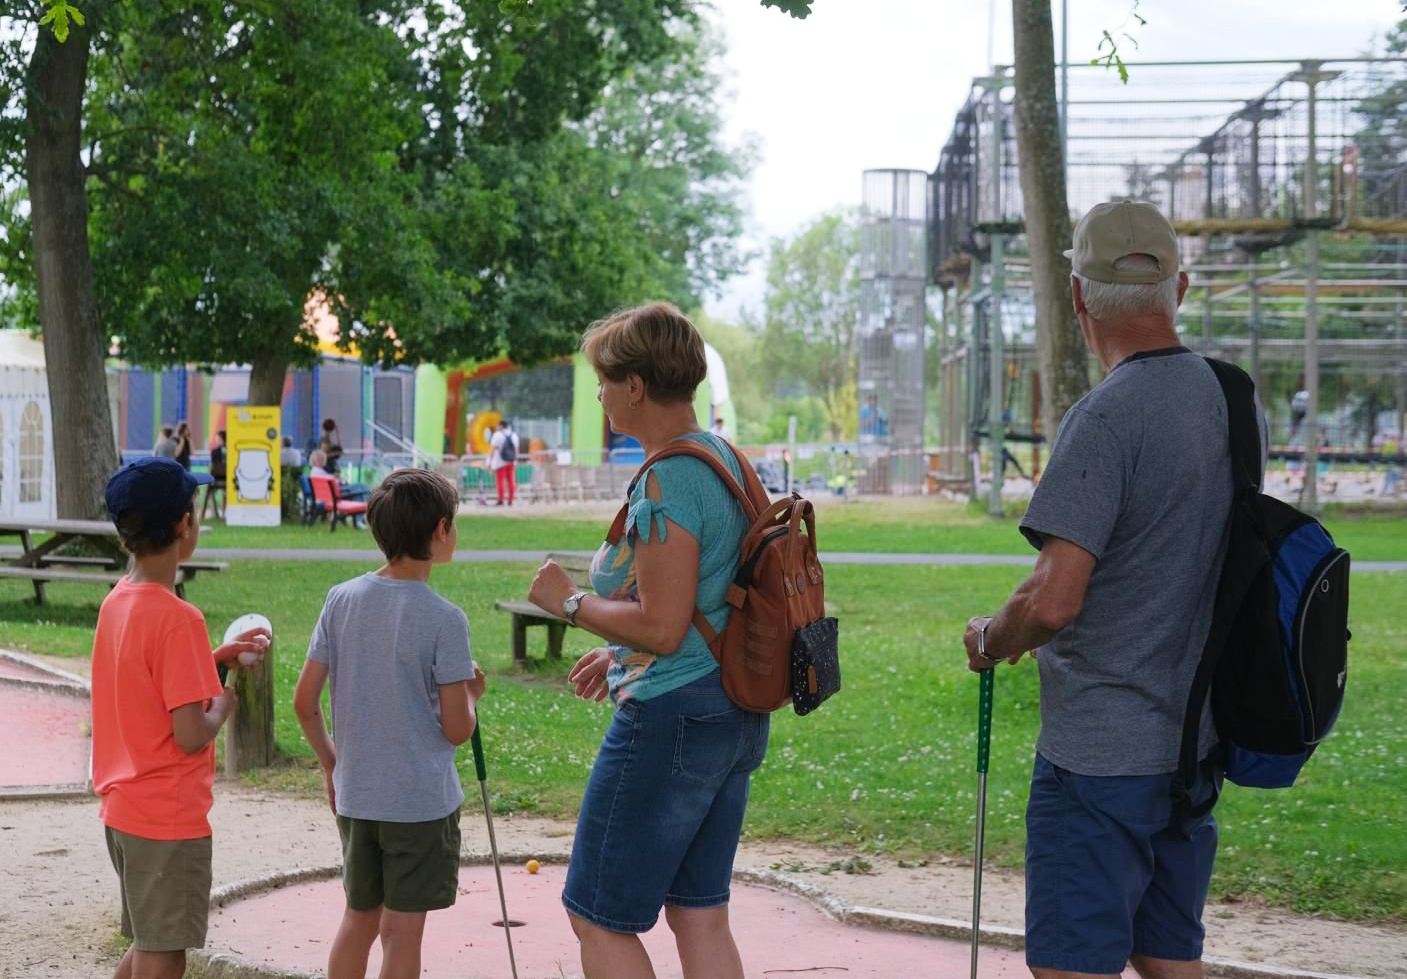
655,341
405,510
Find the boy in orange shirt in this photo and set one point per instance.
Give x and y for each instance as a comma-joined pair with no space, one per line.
157,706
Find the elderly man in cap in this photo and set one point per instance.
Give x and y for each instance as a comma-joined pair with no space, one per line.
1129,520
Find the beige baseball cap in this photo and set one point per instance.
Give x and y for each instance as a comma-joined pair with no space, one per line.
1110,231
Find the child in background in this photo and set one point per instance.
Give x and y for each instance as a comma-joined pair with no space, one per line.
157,706
403,690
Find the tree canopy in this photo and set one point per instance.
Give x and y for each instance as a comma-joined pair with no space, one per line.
812,308
483,182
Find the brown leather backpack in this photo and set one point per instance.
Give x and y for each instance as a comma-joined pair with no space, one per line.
779,645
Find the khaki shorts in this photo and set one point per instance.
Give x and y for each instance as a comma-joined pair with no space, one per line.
408,867
165,890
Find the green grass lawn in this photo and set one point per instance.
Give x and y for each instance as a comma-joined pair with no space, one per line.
888,766
904,526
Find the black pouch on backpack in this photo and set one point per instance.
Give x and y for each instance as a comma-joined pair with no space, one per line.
815,664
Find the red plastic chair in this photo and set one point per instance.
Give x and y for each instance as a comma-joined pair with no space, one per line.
325,492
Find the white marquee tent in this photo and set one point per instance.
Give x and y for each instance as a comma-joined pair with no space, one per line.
26,430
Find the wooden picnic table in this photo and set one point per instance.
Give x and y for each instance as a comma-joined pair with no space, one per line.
40,564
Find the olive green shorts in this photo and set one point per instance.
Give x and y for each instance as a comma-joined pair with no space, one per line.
165,890
401,866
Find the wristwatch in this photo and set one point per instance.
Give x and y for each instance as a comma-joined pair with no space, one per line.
571,605
982,644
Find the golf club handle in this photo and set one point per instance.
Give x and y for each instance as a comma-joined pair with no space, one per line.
480,768
984,719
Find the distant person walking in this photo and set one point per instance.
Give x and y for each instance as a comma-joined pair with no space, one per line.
721,429
503,461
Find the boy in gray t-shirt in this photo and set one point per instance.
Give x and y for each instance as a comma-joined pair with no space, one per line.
403,690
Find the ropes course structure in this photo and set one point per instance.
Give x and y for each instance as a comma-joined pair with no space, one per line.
1287,183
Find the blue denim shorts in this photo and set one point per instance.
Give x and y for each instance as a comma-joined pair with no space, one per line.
1105,879
664,807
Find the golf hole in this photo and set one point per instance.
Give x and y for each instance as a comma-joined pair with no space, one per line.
511,923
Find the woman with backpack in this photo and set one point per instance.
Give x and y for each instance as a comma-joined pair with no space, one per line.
663,809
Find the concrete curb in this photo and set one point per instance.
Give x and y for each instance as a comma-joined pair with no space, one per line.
58,792
223,965
62,682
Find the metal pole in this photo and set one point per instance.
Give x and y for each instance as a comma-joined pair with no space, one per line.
979,327
995,368
1065,87
1208,340
1253,290
1311,75
996,374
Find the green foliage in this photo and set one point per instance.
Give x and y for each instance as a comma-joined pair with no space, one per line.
1382,142
812,309
59,14
1113,57
459,180
799,9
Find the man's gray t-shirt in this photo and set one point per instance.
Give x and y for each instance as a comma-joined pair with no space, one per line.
1140,477
389,646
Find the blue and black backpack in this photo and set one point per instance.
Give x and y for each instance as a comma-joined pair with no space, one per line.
1276,658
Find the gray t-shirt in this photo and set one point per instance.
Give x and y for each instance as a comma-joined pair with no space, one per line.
389,646
1140,477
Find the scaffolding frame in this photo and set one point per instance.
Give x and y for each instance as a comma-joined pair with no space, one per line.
1259,165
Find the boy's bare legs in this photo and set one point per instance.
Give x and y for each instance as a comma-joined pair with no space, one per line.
610,954
705,942
151,965
401,932
352,945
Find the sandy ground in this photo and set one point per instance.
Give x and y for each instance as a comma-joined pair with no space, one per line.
58,899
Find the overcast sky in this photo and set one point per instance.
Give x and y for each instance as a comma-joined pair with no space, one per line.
864,84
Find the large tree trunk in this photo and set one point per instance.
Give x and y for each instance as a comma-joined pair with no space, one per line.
266,377
75,345
1060,348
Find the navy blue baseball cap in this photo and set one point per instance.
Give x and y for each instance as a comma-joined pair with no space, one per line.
158,488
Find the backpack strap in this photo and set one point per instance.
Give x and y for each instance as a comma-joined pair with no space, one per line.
1240,393
750,494
1243,433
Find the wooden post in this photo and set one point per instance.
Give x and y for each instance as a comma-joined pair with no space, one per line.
251,729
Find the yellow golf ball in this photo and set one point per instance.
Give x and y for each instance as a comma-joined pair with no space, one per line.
533,866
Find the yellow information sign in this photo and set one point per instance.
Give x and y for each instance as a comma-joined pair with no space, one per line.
252,470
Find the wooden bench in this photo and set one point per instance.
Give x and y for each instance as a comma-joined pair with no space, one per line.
65,568
525,613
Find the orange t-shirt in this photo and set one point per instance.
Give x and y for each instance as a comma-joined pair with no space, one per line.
151,654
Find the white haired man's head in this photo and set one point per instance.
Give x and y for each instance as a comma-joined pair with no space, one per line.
1125,259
